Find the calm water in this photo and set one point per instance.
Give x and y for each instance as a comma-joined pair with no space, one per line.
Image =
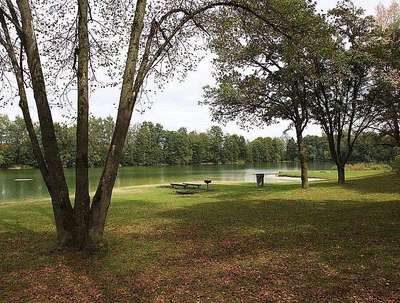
18,185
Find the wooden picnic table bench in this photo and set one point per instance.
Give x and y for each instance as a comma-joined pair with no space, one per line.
192,185
175,185
185,185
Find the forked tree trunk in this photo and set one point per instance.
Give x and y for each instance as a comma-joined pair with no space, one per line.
302,151
82,223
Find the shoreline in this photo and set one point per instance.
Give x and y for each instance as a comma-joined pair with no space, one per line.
279,180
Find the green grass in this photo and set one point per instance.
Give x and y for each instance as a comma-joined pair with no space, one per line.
332,174
236,243
367,166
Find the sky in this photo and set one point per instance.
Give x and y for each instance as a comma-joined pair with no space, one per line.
177,104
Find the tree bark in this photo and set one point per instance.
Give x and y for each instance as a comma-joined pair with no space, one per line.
302,151
82,198
23,103
396,126
102,198
62,207
341,174
18,72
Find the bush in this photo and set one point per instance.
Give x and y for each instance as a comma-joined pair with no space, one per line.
396,164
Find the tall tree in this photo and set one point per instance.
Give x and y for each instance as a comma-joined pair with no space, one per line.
262,74
343,81
215,144
52,37
148,144
317,148
387,51
176,147
291,149
199,146
234,149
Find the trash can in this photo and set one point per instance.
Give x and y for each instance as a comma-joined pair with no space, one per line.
260,179
207,181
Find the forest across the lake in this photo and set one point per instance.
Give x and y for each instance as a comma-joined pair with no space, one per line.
150,144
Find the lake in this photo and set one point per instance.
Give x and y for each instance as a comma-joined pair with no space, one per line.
27,184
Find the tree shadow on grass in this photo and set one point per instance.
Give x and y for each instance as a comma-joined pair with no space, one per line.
387,183
352,246
238,244
283,218
33,270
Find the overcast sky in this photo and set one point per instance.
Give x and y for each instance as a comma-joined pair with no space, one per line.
177,105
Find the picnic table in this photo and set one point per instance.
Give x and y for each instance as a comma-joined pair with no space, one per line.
192,185
178,185
185,185
189,188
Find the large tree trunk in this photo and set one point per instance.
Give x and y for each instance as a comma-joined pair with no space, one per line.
396,130
62,207
341,174
23,103
102,198
394,124
82,199
302,151
336,158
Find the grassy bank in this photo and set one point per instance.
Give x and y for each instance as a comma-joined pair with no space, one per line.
235,243
332,174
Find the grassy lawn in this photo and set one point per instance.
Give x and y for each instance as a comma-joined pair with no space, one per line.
236,243
332,174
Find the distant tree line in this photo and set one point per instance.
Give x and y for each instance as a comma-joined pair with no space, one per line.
149,144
